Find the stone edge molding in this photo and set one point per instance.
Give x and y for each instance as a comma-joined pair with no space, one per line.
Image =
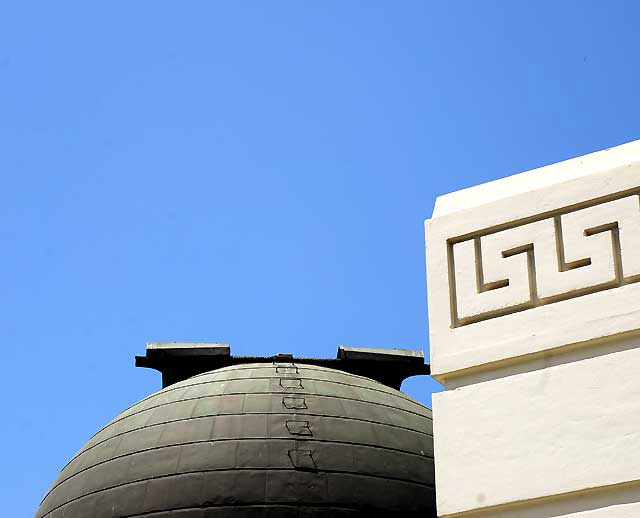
535,263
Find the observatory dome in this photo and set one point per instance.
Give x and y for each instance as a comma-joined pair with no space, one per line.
273,440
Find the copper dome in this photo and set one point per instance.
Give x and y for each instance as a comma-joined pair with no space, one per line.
277,439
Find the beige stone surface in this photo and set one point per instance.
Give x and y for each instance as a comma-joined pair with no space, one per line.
567,508
535,262
548,176
619,501
614,511
567,428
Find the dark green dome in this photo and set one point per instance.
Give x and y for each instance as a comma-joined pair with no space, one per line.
256,440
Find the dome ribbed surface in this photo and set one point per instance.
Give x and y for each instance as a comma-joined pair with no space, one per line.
256,440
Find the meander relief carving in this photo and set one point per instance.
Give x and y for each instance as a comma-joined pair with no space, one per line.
556,256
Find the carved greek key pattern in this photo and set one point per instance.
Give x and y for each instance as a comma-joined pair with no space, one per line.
555,256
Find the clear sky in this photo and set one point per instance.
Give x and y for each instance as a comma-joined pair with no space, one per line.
257,173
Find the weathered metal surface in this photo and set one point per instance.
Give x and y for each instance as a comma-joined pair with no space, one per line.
274,440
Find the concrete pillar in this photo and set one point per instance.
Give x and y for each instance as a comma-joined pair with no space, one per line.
534,316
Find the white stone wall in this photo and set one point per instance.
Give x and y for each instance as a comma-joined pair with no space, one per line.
534,313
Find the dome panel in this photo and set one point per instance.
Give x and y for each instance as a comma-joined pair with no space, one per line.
256,440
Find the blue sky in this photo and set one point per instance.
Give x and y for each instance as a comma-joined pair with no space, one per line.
257,173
